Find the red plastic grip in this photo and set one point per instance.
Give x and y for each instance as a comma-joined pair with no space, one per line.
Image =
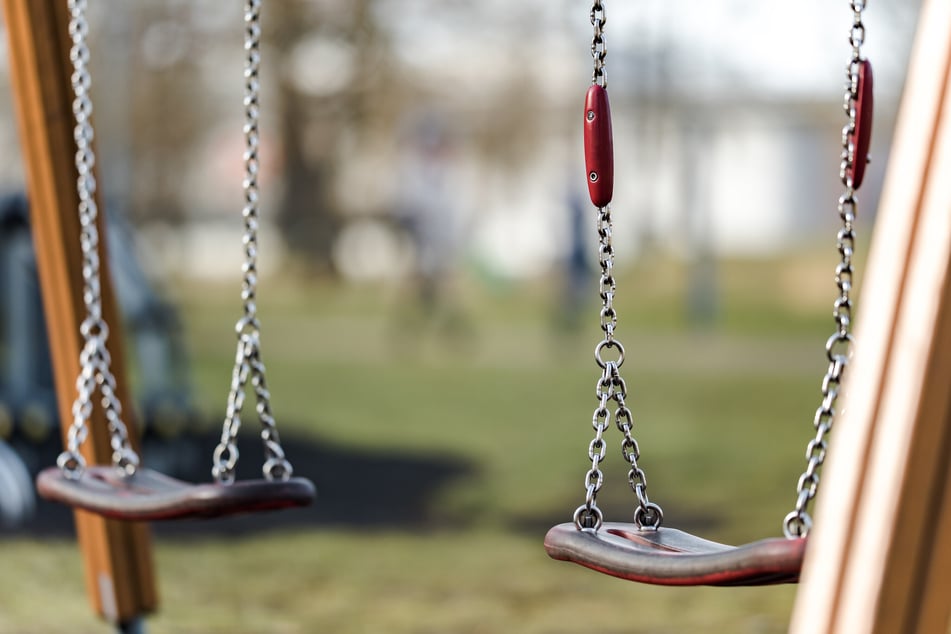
598,146
864,105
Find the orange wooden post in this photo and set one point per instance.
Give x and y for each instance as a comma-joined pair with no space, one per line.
117,555
879,559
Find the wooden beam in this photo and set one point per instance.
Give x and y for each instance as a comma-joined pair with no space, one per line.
117,555
933,611
877,559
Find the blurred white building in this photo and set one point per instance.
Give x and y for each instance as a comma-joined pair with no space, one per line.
727,117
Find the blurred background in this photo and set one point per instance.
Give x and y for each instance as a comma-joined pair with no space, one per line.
429,298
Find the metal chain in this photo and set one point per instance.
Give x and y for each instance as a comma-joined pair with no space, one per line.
611,386
588,515
94,359
838,347
598,48
248,363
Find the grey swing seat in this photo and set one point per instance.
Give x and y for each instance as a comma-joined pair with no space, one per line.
644,551
125,490
670,557
149,495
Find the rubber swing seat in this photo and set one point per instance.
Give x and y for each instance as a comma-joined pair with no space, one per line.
669,557
149,495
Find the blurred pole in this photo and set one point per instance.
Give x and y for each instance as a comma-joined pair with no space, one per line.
135,626
118,556
698,191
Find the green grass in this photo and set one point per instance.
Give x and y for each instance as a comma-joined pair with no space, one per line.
469,582
722,416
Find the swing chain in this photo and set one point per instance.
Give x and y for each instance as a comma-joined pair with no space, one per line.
588,515
248,363
598,48
839,346
94,358
647,515
611,386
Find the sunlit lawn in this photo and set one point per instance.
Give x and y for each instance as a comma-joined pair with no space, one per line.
722,415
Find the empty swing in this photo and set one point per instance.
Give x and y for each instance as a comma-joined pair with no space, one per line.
645,551
125,490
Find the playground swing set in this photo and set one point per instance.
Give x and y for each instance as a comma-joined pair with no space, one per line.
898,427
646,551
126,490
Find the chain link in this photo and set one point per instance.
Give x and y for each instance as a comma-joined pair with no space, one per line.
248,363
646,514
94,360
598,48
839,346
611,387
588,515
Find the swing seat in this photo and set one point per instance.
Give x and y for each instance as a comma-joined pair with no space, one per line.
149,495
669,557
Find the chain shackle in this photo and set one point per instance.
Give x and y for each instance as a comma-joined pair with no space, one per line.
95,373
248,363
838,347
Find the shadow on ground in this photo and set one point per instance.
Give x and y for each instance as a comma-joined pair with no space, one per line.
366,490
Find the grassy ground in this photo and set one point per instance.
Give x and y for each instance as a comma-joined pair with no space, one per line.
722,412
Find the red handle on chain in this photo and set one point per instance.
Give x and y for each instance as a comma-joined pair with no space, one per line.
864,104
598,146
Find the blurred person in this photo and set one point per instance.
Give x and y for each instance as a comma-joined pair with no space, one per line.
576,270
426,207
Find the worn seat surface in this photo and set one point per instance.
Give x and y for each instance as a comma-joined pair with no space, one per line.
667,556
149,495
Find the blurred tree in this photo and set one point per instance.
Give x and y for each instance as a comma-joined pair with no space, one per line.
147,52
332,57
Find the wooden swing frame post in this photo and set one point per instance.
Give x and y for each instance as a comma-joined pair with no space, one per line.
879,559
117,555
